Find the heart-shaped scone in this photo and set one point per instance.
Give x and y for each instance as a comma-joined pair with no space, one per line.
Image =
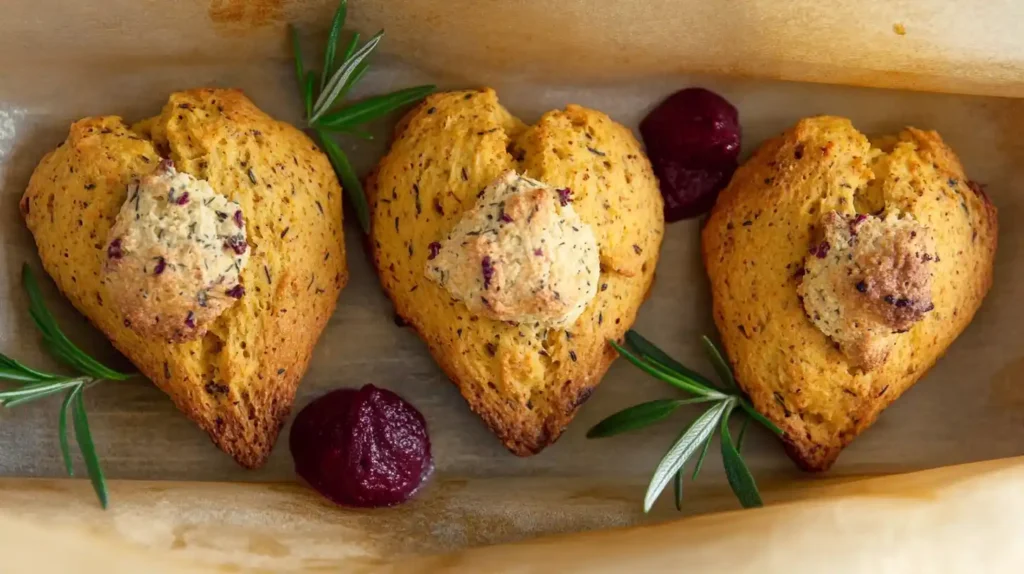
841,271
206,243
516,251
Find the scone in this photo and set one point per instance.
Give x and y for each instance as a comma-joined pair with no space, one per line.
516,252
840,271
206,244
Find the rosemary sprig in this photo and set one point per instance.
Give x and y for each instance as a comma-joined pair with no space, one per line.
725,398
322,100
37,385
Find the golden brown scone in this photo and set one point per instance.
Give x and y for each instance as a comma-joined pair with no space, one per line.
238,380
525,380
841,271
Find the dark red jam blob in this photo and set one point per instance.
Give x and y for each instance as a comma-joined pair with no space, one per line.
565,196
238,218
161,266
365,447
693,140
236,292
181,199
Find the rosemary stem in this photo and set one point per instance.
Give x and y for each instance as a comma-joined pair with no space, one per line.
750,410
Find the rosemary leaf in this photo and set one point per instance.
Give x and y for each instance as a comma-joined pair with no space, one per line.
15,375
40,389
300,69
335,85
352,81
18,375
658,364
351,49
682,450
349,180
332,42
62,429
339,79
718,362
677,484
33,397
56,338
700,459
736,471
743,433
373,108
84,438
639,416
307,92
75,357
661,373
38,385
649,351
66,356
717,389
15,371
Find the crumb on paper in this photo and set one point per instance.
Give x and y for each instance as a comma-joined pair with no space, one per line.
900,29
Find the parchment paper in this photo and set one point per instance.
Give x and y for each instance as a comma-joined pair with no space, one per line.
954,519
63,60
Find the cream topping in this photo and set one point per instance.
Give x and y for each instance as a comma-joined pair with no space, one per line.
521,254
175,254
866,280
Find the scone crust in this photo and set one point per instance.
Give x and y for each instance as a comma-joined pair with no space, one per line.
238,381
526,382
760,232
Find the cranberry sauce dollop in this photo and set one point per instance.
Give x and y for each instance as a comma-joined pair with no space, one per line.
365,447
693,139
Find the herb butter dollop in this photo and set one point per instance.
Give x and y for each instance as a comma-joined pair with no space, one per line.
175,255
866,281
521,254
